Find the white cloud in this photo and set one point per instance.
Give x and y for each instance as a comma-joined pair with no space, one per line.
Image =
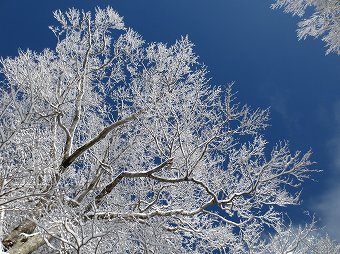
329,208
328,205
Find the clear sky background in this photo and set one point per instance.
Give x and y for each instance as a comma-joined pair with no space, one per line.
242,41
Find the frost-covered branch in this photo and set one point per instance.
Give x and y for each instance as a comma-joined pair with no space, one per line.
110,144
324,21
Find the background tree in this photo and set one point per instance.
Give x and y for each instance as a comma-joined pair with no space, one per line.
109,144
324,22
307,239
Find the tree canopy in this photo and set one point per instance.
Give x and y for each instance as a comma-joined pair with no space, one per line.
110,144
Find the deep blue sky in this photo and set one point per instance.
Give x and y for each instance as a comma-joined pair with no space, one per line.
239,40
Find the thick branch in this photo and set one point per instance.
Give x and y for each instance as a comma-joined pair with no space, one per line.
31,244
143,216
96,139
108,188
27,226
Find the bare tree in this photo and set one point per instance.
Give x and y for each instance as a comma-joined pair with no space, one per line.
324,21
112,145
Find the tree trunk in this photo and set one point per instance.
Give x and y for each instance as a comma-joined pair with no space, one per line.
16,237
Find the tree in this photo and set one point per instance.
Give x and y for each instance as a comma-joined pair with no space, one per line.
307,239
324,21
112,145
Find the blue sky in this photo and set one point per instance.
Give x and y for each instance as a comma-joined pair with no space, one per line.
242,41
